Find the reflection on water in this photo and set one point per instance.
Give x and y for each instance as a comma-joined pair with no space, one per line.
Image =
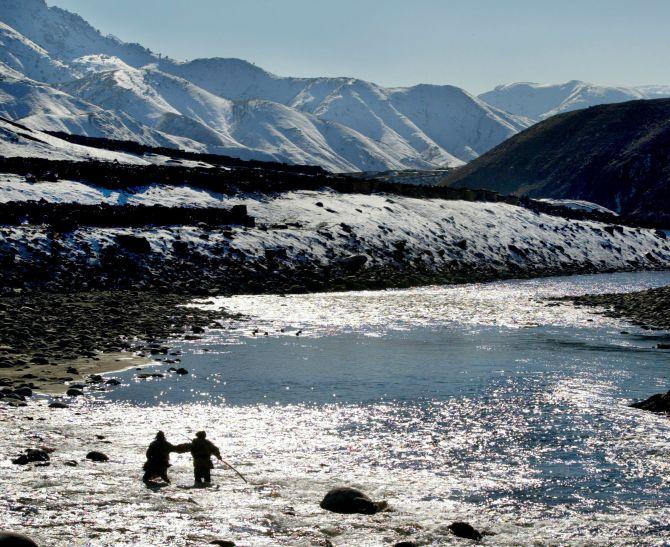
477,403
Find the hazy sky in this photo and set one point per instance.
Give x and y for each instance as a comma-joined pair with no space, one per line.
474,44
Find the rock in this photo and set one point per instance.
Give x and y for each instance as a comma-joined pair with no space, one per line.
11,539
74,392
406,544
465,530
352,263
462,244
71,463
112,382
24,391
222,543
181,371
133,244
96,456
58,404
347,500
656,403
663,346
31,455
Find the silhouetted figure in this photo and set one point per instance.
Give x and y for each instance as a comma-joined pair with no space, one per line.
158,458
202,451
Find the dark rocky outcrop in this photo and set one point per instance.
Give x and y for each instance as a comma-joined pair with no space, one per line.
12,539
656,403
348,500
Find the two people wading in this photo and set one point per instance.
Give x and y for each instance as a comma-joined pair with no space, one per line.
158,458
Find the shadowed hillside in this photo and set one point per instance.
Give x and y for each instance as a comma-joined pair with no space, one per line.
616,155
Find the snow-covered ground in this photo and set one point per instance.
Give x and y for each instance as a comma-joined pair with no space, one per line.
58,72
319,229
579,205
540,101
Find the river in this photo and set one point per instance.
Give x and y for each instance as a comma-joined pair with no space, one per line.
483,402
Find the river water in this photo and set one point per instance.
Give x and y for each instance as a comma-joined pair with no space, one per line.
483,402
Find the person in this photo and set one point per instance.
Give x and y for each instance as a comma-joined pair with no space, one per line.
158,458
202,451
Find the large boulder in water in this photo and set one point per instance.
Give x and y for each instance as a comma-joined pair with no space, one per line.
656,403
347,501
11,539
465,530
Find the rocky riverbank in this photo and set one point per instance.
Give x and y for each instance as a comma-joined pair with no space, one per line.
650,308
48,340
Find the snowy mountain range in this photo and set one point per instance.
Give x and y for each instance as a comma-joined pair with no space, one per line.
541,101
59,73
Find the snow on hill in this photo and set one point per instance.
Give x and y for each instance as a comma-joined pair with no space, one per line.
231,106
19,141
24,56
541,101
342,124
40,106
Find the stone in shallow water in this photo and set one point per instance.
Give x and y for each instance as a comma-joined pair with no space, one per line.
96,456
31,455
465,530
347,500
11,539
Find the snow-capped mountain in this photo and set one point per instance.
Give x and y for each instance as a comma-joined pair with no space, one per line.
231,106
57,72
541,101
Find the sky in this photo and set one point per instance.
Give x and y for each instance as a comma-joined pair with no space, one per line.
475,44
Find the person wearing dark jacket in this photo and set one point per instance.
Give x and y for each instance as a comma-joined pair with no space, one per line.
158,458
202,451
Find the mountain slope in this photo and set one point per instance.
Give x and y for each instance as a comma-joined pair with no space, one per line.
541,101
614,155
42,107
21,54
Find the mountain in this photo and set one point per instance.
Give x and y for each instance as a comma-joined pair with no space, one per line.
541,101
614,155
40,106
231,106
24,56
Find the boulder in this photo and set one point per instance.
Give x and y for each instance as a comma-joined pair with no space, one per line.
24,391
181,371
31,455
222,543
58,404
74,392
348,500
656,403
11,539
465,530
133,243
96,456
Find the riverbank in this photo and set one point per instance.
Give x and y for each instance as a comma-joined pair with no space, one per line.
49,340
316,241
649,308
